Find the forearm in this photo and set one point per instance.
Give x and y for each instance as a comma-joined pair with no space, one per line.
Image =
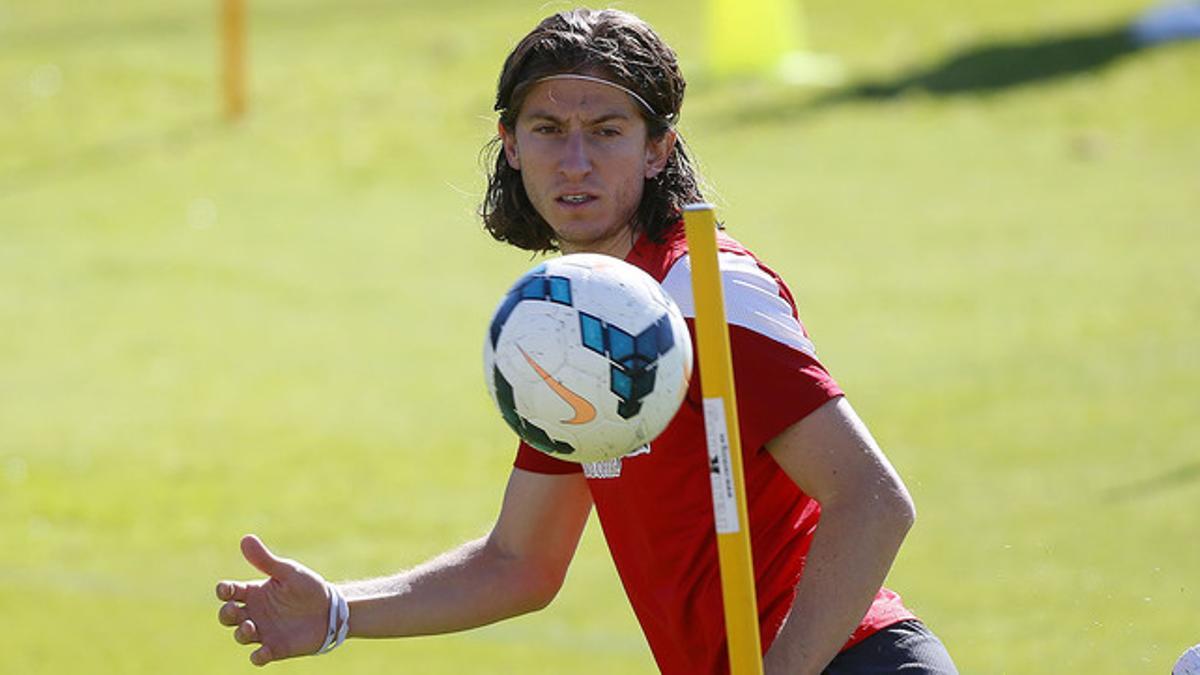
852,551
473,585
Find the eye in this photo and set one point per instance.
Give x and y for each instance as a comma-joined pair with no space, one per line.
545,129
608,131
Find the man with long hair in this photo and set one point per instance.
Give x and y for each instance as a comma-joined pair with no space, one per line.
587,159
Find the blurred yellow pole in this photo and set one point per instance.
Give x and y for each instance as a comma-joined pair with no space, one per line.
233,57
724,444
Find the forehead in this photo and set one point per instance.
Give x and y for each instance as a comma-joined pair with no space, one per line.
582,98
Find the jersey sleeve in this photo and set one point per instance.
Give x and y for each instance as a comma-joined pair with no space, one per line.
778,378
777,385
536,461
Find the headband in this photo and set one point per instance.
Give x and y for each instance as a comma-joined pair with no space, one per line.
599,80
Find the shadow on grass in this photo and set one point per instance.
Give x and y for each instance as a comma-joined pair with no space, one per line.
1004,65
1174,478
986,68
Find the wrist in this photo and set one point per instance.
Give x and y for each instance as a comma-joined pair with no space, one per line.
339,620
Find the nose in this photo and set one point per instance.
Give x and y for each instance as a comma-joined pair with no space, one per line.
575,162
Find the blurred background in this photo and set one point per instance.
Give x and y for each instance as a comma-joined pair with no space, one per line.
988,213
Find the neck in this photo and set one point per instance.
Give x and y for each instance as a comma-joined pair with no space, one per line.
617,246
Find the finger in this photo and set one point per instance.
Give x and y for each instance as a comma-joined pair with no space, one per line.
257,554
232,590
231,614
246,632
261,656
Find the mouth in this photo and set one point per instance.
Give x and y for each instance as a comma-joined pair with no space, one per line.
572,199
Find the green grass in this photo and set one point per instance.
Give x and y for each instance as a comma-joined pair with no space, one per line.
275,327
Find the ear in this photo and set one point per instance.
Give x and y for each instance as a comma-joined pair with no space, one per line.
509,139
658,151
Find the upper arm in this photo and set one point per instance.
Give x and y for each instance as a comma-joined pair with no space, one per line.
832,457
541,520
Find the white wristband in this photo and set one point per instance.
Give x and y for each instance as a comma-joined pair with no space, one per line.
339,620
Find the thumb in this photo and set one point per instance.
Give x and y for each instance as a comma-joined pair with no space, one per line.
257,554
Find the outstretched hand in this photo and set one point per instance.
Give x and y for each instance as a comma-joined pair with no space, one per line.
287,613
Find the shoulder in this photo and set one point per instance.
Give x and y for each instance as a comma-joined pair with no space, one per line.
756,298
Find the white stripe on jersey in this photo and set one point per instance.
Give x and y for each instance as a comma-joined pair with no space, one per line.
752,299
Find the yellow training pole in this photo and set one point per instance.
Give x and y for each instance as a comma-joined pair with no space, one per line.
233,57
724,444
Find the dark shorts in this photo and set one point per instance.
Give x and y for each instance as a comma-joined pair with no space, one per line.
907,647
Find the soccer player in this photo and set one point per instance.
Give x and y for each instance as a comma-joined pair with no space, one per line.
587,159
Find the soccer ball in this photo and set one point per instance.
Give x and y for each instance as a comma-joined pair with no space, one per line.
587,358
1188,663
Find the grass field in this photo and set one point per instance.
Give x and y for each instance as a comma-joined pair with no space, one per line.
206,330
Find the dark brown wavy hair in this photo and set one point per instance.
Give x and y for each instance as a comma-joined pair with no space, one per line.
615,45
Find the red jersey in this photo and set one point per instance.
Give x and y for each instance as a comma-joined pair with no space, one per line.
655,505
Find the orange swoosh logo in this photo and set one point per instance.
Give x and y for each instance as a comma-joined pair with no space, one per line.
584,411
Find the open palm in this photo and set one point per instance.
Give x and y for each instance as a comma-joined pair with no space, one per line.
287,613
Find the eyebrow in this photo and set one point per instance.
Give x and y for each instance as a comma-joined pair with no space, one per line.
607,117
